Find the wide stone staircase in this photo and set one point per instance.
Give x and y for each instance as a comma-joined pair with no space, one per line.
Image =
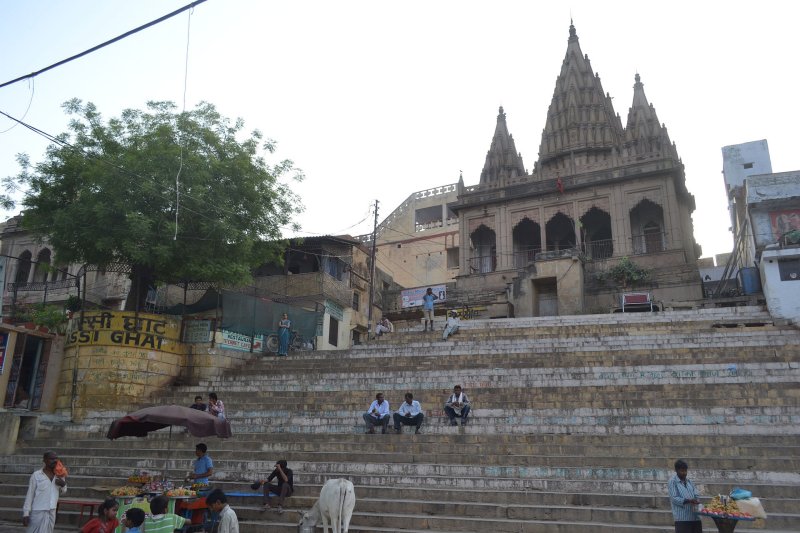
576,424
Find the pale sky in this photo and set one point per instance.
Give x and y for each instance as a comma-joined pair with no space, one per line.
376,100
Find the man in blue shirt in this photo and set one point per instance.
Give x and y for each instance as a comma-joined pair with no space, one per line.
409,414
427,307
683,497
203,465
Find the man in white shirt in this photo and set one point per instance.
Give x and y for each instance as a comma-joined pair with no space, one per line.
377,414
228,521
457,405
384,326
453,322
44,488
409,414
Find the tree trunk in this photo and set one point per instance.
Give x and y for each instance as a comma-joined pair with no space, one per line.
142,279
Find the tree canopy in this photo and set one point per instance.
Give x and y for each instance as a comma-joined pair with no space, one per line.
108,193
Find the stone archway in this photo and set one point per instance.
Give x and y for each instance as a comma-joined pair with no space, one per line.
484,250
527,242
560,232
596,236
647,228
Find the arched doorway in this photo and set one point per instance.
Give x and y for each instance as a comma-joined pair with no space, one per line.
484,250
42,268
647,228
560,232
23,268
527,239
596,237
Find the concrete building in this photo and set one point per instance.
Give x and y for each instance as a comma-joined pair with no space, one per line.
772,238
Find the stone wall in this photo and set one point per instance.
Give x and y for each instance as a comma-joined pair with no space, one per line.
115,360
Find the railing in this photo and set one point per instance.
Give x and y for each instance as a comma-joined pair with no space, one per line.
483,264
42,285
557,254
525,256
649,243
595,250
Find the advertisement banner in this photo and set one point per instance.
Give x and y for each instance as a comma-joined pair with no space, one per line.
784,222
237,341
413,297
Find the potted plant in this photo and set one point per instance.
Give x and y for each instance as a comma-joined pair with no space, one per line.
626,273
49,316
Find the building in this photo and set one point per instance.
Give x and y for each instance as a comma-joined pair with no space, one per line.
330,275
598,192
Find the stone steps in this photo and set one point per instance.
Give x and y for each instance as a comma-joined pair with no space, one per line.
576,423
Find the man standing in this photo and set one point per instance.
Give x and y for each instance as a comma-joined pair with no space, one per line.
409,414
683,497
44,487
457,405
228,521
377,414
203,465
427,307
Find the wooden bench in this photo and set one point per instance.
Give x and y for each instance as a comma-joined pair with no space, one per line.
636,300
83,504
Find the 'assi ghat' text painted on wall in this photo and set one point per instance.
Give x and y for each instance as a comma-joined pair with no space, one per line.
108,328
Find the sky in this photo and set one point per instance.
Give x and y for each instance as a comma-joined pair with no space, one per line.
377,100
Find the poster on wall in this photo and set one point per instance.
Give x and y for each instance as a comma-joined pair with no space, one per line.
784,221
413,297
3,344
239,342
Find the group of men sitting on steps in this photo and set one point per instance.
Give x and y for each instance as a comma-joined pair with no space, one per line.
410,413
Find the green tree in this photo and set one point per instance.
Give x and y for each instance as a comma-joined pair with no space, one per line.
108,193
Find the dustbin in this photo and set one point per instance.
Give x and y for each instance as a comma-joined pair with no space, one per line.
750,280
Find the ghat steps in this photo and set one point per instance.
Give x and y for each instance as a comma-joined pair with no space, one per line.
576,423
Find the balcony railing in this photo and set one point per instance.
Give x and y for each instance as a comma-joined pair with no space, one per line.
595,250
483,264
525,256
649,243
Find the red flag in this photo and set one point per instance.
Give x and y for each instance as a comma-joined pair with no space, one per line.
560,185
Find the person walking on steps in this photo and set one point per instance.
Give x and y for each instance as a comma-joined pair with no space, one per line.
427,307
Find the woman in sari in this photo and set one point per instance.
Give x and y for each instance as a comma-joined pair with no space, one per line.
284,327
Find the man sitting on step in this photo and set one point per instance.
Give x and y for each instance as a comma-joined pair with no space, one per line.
457,405
377,414
409,414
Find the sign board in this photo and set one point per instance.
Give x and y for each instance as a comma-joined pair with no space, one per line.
240,342
195,331
413,297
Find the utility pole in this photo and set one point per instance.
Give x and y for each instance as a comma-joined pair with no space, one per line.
372,273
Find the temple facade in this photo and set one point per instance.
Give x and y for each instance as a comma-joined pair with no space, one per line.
541,241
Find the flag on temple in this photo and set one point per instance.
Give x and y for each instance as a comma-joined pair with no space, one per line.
560,185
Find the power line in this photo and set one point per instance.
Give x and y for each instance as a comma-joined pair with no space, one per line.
103,45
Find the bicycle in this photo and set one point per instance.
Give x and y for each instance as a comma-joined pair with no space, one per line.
296,342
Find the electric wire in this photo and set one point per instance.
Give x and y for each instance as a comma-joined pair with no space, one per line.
103,45
183,110
25,114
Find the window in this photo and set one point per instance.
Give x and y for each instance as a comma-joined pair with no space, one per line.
356,338
333,332
748,165
356,300
789,269
452,258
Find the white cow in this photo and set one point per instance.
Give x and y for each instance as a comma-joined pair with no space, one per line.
335,506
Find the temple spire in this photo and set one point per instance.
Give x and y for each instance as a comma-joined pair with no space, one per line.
502,160
644,134
582,128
